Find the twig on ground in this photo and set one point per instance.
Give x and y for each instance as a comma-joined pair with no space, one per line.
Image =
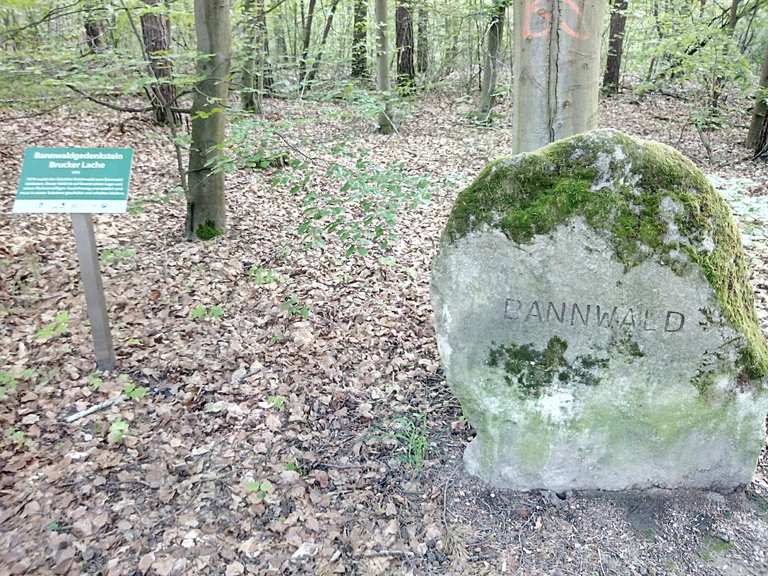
93,409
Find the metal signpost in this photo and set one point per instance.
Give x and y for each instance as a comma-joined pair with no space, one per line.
80,182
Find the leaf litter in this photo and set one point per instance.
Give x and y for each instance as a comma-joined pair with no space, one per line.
297,421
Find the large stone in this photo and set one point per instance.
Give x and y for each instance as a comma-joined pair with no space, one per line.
595,320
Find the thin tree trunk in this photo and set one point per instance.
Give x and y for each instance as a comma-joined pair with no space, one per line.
758,128
557,69
95,28
307,40
406,73
360,39
256,72
494,37
612,75
386,126
318,59
206,208
422,40
156,34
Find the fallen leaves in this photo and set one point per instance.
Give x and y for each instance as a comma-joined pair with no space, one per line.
266,438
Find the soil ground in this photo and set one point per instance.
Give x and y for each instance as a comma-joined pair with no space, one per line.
287,439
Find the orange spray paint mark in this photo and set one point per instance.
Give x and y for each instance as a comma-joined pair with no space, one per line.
537,20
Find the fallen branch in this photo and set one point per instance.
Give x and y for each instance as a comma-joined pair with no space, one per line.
108,104
123,108
93,409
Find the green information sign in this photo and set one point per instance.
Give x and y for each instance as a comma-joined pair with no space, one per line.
74,180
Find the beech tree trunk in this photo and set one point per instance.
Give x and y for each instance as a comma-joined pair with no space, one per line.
206,208
557,69
386,126
758,128
612,75
422,41
360,40
156,33
493,42
406,73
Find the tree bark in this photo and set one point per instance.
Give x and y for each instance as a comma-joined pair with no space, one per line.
406,73
757,139
319,58
422,41
612,75
95,28
156,34
493,41
206,208
307,39
256,77
557,69
360,40
386,126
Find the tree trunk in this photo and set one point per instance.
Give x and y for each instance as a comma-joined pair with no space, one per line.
360,40
386,126
422,41
206,208
557,69
319,58
406,73
490,70
307,40
95,28
256,73
758,128
615,47
156,33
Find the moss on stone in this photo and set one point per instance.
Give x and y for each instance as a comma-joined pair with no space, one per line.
649,200
532,371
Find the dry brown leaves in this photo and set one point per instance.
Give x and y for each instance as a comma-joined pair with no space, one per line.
265,444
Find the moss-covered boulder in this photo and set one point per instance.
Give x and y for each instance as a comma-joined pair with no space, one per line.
595,319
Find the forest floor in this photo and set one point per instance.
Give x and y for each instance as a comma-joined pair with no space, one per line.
295,418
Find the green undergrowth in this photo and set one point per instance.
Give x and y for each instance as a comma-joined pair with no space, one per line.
650,200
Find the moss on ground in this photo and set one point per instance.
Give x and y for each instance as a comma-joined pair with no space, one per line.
651,202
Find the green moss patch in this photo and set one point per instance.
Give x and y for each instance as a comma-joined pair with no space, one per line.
534,370
647,199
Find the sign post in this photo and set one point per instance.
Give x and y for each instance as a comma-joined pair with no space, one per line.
80,181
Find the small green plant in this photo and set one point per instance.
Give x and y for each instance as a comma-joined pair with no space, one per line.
276,402
291,305
136,207
208,230
413,436
117,430
59,326
95,381
10,381
363,212
133,392
200,311
276,337
18,438
116,255
260,489
262,276
295,467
